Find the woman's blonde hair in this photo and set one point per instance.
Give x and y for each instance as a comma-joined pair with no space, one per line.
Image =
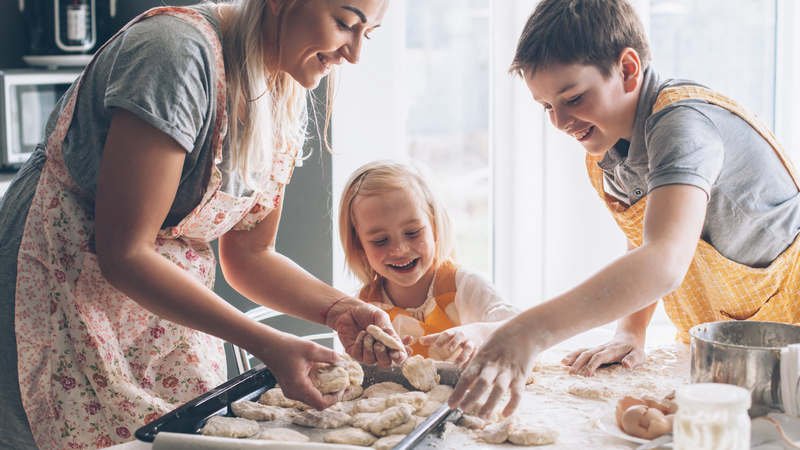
275,112
382,177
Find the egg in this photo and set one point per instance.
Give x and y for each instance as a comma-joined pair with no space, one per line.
623,404
644,422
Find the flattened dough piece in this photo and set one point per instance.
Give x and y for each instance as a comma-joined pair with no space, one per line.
361,419
355,392
384,338
321,419
471,422
303,407
420,372
384,389
393,418
275,397
440,393
429,408
498,433
327,378
388,442
256,411
282,434
592,392
416,399
528,435
370,405
350,436
229,427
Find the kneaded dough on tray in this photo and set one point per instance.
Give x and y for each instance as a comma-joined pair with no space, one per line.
471,422
394,420
327,378
321,419
591,392
420,372
528,435
384,389
361,419
282,434
354,370
388,442
303,407
350,436
440,393
354,393
256,411
416,399
497,433
275,397
229,427
384,338
370,405
429,408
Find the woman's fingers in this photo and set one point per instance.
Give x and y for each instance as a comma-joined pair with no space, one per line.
499,388
633,358
572,357
516,396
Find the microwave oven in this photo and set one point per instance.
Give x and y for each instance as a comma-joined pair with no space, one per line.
27,97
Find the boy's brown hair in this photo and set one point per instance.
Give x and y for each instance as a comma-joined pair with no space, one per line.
591,32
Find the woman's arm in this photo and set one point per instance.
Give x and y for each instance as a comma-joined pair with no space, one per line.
673,221
139,175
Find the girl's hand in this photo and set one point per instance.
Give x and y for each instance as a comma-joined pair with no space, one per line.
448,342
624,347
350,318
502,363
290,360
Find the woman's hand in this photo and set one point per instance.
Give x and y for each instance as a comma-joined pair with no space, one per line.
290,360
466,338
626,348
350,318
502,363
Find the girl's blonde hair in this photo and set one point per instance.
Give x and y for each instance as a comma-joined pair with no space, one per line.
381,177
275,111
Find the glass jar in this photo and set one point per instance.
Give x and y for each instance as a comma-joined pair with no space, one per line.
712,416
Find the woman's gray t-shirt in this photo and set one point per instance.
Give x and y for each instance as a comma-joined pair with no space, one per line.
753,211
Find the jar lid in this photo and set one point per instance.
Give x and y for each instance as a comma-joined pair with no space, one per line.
713,395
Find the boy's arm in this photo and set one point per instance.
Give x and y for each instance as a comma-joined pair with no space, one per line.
626,347
673,222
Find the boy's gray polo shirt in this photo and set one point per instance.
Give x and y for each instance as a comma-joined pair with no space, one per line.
753,211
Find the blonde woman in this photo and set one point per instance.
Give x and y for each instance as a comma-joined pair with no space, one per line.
183,129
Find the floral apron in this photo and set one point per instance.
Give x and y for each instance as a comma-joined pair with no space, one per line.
716,288
436,321
93,364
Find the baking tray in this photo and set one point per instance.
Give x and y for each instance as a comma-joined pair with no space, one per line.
191,416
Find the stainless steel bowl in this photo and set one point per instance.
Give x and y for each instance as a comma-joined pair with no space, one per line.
746,354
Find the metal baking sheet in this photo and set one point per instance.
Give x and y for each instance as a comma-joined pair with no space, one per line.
190,418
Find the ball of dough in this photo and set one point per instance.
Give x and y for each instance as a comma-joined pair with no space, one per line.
384,389
354,370
416,399
354,393
591,392
429,408
528,435
327,378
421,372
440,393
350,436
384,338
388,442
275,397
393,418
361,419
256,411
233,427
282,434
370,405
321,419
498,433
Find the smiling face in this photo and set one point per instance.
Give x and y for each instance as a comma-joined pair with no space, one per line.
397,238
596,110
322,33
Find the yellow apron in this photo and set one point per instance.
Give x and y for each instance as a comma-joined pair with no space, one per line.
716,288
444,292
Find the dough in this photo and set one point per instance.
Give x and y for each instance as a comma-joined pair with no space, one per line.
345,407
388,442
229,427
321,419
354,370
420,372
429,408
440,393
498,433
256,411
282,434
591,392
361,419
384,389
275,397
471,422
384,338
393,418
416,399
327,378
533,378
370,405
528,435
350,436
355,392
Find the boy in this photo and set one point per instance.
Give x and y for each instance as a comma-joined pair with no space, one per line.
705,195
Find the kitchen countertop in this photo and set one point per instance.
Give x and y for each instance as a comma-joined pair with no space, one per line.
549,403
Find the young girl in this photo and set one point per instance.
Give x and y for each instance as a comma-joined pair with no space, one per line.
397,240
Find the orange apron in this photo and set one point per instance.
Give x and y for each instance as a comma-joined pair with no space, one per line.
436,321
716,288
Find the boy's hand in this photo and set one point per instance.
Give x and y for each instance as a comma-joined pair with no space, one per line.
624,348
448,342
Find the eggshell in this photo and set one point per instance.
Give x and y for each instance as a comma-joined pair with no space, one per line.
623,404
643,422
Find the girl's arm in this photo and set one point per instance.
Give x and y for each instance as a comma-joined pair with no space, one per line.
139,175
673,222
